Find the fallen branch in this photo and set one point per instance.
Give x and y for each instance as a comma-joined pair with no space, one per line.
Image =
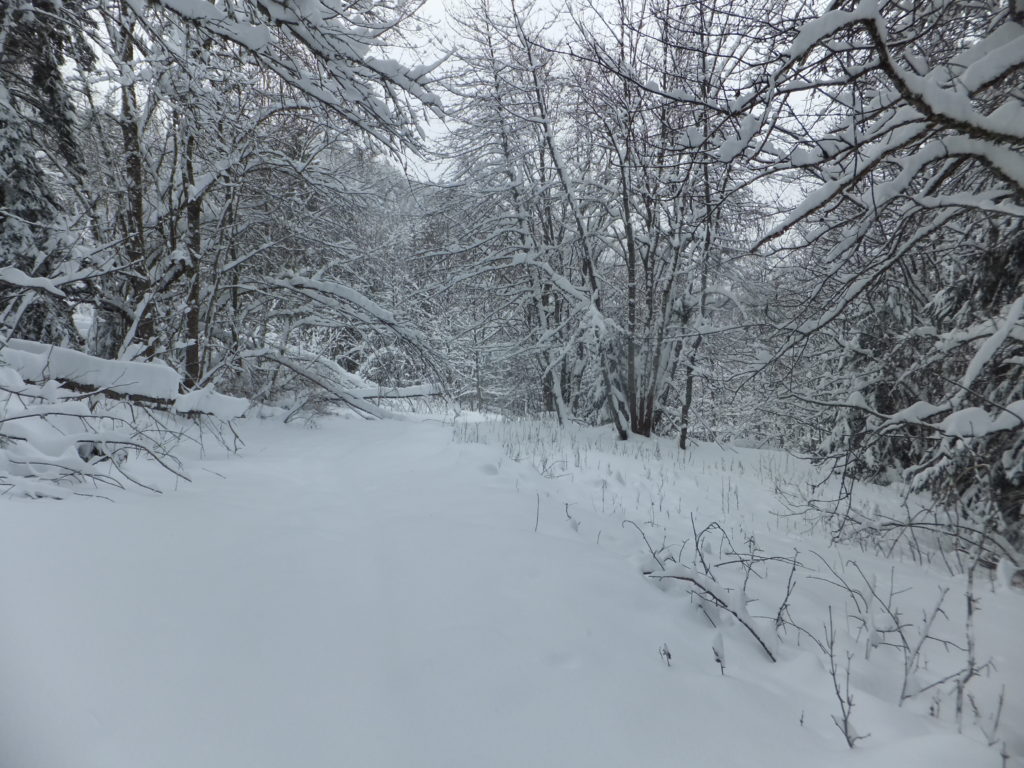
734,603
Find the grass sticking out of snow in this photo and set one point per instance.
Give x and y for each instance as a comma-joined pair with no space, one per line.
728,530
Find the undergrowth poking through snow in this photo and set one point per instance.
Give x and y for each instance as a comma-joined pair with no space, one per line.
890,618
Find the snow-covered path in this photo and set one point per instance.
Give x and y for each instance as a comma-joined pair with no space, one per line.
372,594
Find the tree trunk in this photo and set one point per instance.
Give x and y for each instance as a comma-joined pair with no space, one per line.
193,215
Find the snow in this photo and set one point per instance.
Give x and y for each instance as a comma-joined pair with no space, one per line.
413,390
343,298
827,25
375,593
39,362
16,277
916,413
194,9
988,59
967,422
206,400
988,348
732,147
977,422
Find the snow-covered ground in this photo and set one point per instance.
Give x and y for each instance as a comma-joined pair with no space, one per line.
402,593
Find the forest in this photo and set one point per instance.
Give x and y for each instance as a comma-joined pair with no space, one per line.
709,220
789,226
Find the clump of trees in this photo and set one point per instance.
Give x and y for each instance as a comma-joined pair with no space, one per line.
725,219
202,183
719,219
907,248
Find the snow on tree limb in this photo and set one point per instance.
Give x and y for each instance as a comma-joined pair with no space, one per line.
347,301
15,277
366,90
148,383
304,366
